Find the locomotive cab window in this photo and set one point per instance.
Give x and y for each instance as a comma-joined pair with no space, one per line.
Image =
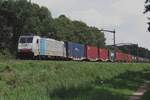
29,39
22,40
26,40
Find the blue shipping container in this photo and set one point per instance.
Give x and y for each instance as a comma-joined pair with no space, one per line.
75,50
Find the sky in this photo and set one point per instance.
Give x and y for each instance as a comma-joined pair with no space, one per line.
125,16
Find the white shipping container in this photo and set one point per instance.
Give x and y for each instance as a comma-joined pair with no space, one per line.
55,48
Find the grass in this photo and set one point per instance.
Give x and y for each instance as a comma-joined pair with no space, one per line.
6,55
146,96
68,80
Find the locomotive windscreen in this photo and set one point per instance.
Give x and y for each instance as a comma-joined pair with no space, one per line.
26,40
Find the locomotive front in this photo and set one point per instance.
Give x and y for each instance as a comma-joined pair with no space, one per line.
27,45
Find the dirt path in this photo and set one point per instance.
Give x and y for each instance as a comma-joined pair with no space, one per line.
140,92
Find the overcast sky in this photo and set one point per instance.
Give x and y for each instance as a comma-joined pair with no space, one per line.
126,16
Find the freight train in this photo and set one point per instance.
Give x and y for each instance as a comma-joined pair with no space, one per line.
36,47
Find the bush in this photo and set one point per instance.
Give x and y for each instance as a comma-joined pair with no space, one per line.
6,55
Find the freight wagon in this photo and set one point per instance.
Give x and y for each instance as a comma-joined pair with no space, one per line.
36,47
129,58
111,55
91,53
103,54
119,57
75,51
123,57
134,58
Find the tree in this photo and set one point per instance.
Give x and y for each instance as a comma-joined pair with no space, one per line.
77,31
147,9
7,19
21,16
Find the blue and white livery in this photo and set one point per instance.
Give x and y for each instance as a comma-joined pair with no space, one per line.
37,47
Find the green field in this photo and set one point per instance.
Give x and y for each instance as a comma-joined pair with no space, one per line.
60,80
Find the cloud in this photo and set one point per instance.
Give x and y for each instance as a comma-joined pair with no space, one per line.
94,18
128,7
126,16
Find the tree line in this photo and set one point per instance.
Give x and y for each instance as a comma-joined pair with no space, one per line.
135,50
18,17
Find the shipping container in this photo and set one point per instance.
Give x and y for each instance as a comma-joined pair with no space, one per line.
147,60
91,53
120,57
134,58
126,57
103,54
75,51
123,57
51,47
111,55
140,59
129,59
